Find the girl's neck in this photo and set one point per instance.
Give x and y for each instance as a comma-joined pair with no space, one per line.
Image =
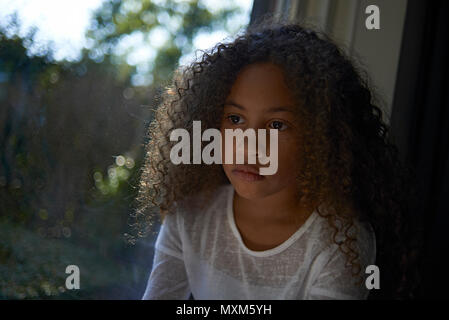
282,207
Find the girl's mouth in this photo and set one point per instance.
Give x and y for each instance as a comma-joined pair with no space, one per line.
247,173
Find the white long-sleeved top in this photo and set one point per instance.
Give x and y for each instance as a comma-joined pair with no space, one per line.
203,253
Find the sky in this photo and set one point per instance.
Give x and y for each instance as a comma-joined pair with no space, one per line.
66,31
50,16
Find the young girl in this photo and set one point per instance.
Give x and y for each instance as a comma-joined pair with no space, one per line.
334,206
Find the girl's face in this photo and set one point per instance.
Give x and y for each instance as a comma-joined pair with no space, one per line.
260,99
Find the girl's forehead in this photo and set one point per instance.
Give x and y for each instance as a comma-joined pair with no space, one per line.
261,85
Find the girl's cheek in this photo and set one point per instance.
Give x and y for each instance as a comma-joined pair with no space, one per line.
288,152
286,142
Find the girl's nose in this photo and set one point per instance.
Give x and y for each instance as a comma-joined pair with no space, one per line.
252,149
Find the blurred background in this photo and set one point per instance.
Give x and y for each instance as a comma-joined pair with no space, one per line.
79,79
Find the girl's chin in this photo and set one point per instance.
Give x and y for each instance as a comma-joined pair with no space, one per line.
249,191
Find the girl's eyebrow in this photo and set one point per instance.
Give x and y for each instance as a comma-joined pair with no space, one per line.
271,110
232,103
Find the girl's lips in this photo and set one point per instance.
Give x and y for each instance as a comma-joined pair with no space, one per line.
247,174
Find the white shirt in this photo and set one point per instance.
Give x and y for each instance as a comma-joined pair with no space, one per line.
203,253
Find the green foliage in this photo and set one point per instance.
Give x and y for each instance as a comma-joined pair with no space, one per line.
36,267
71,139
182,21
57,129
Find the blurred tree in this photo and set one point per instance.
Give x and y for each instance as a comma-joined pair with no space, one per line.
69,159
167,26
71,138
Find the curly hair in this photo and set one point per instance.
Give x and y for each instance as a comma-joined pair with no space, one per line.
349,163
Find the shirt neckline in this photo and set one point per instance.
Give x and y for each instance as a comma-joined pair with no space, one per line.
265,253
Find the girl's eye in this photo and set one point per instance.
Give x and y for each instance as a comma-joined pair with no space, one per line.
235,119
278,125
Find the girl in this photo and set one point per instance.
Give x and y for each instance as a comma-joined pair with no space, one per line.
334,206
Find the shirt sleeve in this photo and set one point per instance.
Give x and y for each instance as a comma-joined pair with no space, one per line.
335,280
168,278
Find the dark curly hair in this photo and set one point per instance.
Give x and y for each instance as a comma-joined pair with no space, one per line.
349,162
